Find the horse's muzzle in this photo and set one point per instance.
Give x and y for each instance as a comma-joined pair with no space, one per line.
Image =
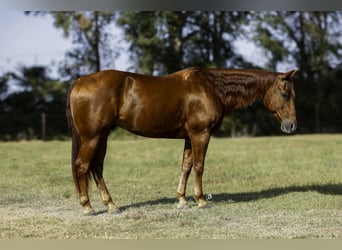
288,126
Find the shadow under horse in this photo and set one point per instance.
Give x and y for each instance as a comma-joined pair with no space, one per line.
189,104
326,189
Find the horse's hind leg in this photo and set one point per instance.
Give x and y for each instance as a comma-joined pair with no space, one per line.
82,164
97,172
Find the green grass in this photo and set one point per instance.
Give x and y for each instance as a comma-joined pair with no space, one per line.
268,187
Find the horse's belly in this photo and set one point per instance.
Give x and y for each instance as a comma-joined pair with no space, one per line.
153,124
152,110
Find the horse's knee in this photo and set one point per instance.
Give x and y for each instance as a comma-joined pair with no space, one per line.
187,168
187,165
199,169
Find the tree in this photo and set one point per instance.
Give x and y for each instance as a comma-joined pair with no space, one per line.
164,42
3,87
90,32
141,29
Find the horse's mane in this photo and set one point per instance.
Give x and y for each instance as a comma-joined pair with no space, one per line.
238,88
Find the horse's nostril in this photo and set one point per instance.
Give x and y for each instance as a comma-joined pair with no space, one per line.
288,126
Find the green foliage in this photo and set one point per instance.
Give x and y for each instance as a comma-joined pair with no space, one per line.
141,29
90,33
164,42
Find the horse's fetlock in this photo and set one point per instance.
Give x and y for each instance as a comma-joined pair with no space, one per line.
106,201
84,201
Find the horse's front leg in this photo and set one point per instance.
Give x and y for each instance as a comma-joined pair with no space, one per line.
186,169
199,149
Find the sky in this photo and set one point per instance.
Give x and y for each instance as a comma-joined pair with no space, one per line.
33,40
29,40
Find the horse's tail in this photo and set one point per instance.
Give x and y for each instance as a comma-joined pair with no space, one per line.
75,139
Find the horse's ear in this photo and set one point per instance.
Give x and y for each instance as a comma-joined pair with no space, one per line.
290,74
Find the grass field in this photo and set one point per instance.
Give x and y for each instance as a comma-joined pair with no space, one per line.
269,187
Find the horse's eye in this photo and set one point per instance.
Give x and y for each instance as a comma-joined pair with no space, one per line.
285,95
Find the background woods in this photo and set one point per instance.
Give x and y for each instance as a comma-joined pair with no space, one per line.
32,101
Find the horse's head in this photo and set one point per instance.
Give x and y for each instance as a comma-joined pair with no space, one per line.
279,99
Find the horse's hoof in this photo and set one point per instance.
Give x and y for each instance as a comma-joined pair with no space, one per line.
205,206
114,211
89,212
183,207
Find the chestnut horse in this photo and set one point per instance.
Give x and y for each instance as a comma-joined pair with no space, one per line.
189,104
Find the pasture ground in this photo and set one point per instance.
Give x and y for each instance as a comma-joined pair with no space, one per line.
268,187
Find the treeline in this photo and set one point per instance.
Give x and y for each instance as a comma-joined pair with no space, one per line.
163,42
35,109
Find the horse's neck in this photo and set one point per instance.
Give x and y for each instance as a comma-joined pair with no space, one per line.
239,88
